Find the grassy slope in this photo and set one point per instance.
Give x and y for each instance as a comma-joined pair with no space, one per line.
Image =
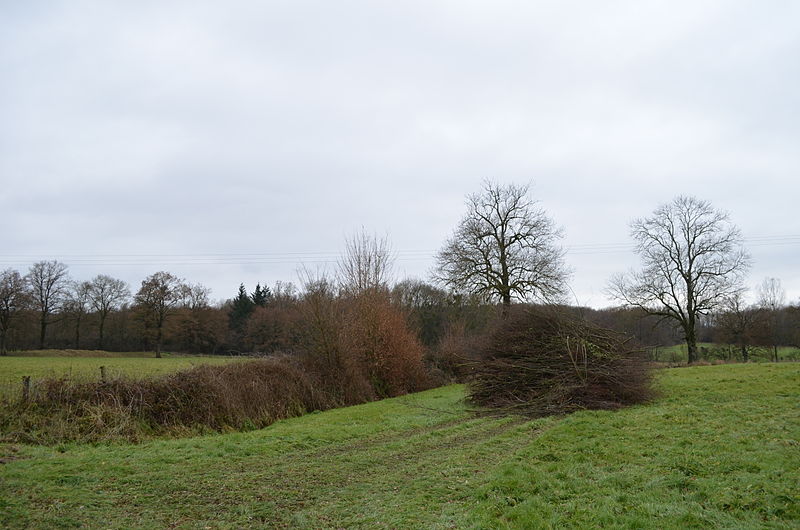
721,447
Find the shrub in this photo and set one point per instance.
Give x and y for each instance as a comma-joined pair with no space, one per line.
541,362
453,358
355,349
377,342
245,394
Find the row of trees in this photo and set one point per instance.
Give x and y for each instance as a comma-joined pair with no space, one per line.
48,296
270,319
504,250
48,291
693,264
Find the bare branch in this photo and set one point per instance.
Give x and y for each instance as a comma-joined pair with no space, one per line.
692,262
504,248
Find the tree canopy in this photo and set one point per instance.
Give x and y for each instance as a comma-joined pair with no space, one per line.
504,248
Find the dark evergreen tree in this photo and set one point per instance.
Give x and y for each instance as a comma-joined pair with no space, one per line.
241,309
261,296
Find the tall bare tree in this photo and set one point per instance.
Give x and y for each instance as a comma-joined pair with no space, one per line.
322,315
157,299
737,320
366,264
106,294
76,304
13,298
771,299
194,296
504,248
692,261
49,284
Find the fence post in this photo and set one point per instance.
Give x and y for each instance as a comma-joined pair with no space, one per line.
26,387
103,374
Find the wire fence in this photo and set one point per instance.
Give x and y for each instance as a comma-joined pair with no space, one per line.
16,385
23,390
28,388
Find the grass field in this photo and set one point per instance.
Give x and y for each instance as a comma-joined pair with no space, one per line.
720,448
82,353
77,364
712,351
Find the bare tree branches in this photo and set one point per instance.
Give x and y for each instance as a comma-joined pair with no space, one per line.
157,298
505,248
737,320
49,283
76,304
692,261
771,298
194,296
106,294
13,298
366,264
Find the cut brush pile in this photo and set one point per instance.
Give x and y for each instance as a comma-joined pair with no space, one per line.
542,362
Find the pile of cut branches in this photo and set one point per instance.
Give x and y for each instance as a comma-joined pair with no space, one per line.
542,362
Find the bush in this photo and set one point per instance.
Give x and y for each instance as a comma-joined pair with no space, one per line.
358,350
453,358
541,362
375,340
245,394
355,348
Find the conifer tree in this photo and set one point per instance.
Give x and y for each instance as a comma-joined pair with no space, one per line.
261,296
241,309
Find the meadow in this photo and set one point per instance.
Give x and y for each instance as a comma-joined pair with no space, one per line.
719,447
711,351
85,364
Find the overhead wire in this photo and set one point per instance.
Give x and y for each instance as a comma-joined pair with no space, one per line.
316,256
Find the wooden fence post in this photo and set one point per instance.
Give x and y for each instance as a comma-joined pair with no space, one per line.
103,374
26,387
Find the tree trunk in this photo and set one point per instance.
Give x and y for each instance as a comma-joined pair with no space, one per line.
100,339
691,345
3,343
745,353
775,348
42,331
506,304
158,343
78,334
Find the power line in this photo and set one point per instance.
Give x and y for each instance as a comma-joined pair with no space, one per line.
318,256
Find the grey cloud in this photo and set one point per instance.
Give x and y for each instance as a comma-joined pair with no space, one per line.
197,127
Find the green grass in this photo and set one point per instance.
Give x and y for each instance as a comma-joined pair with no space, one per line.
720,448
13,368
710,351
81,353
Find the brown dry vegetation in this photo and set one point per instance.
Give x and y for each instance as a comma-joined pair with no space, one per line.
542,362
359,349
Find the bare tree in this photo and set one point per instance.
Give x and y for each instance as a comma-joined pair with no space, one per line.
771,299
76,304
106,294
692,261
13,298
156,299
505,248
49,284
737,321
284,293
322,314
366,264
194,296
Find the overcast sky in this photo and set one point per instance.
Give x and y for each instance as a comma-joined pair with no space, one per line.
228,142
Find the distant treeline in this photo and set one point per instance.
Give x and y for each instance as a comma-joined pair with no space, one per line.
46,309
